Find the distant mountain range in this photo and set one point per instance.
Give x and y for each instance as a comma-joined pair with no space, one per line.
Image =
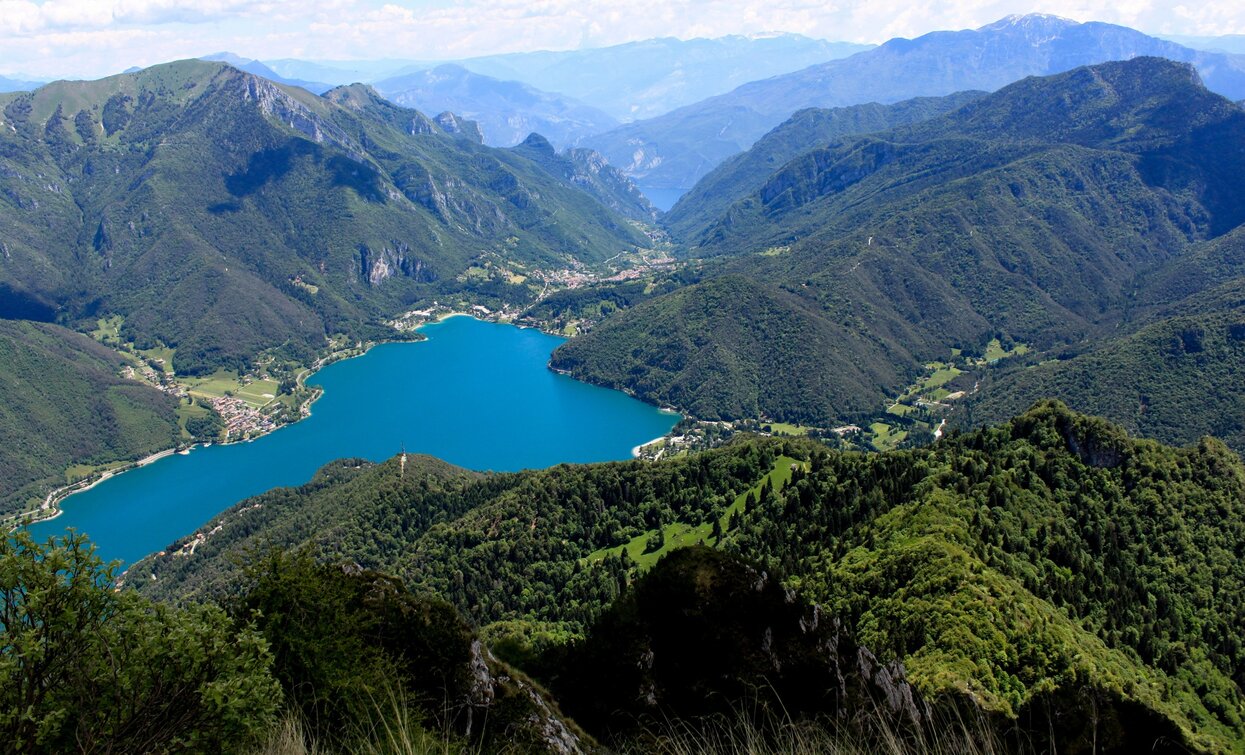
507,111
17,85
259,69
1229,43
674,150
628,81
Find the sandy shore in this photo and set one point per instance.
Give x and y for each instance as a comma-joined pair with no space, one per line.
635,452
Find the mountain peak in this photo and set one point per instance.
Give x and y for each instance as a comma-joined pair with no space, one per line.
1031,22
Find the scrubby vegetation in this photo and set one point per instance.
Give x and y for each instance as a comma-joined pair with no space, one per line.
1020,566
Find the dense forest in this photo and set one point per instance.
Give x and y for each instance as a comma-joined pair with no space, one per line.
1014,565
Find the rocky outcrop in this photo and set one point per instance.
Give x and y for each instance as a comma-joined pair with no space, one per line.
395,258
453,124
706,634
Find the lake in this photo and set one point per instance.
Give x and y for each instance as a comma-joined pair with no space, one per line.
477,394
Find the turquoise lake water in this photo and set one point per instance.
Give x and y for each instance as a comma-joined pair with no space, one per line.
476,394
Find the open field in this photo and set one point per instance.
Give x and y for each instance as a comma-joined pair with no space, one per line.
257,393
679,534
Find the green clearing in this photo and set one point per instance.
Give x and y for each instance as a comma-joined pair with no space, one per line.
899,410
108,330
161,355
786,428
257,393
886,437
680,535
76,472
995,351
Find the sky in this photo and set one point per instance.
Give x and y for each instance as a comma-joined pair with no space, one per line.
89,38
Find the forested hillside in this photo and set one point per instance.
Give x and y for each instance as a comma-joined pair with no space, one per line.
1022,565
65,402
745,173
1028,213
222,214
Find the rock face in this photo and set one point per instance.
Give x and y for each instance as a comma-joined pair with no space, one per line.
706,634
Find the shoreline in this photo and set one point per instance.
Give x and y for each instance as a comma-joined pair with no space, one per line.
635,451
51,508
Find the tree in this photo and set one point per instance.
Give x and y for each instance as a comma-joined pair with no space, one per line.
84,667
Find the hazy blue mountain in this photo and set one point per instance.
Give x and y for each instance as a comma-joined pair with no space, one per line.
628,81
507,111
340,72
673,151
1229,43
17,85
644,79
259,69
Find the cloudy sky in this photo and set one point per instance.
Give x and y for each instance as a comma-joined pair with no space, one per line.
67,38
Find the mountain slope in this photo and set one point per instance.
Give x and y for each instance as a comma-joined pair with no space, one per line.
731,348
676,149
222,214
588,171
65,403
507,111
1028,212
1043,564
745,173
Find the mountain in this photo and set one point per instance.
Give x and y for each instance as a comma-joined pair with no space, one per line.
339,72
1163,374
589,171
1038,568
746,172
644,79
263,71
1028,213
1229,43
674,150
66,403
507,111
222,214
17,85
733,347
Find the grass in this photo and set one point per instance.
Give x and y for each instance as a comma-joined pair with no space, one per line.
257,393
786,428
161,355
186,412
109,330
886,437
76,472
679,534
995,351
865,733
